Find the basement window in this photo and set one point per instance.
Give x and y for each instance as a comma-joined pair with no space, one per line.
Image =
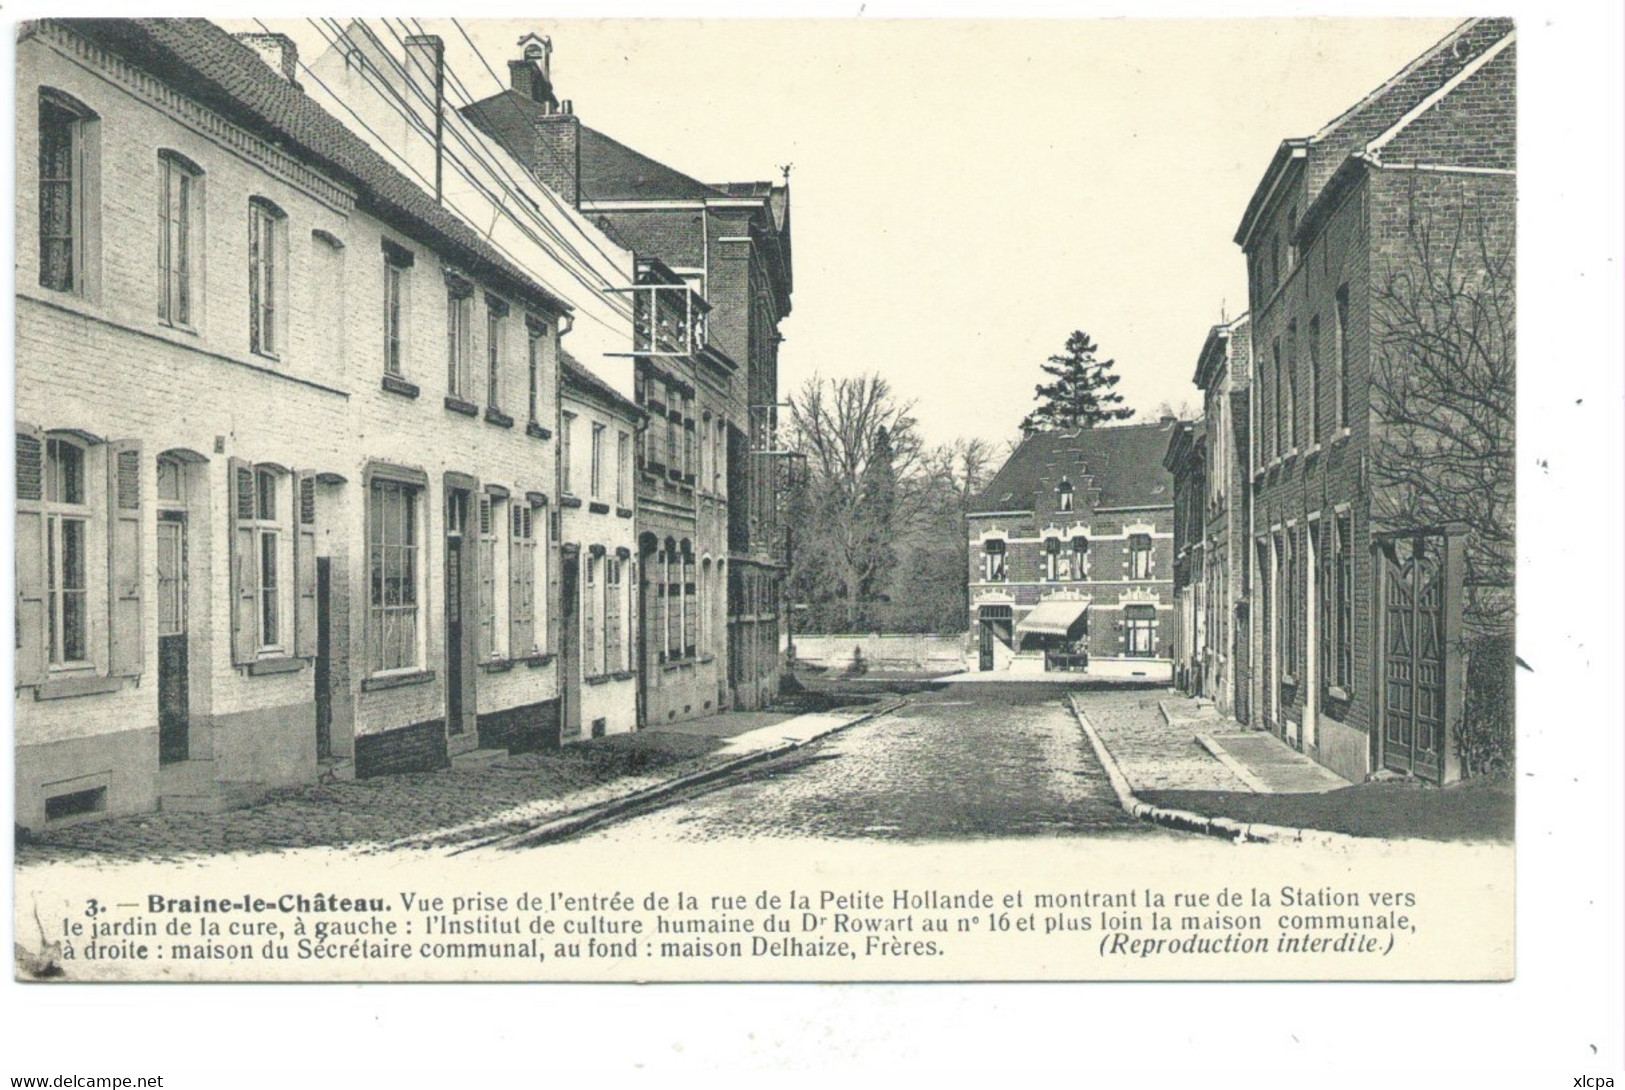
89,801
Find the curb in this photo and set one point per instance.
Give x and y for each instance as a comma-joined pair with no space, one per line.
598,813
1186,820
1241,772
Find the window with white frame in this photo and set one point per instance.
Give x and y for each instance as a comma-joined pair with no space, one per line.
179,181
567,427
525,636
459,337
67,537
492,636
267,268
397,261
614,611
271,586
536,334
394,569
1139,552
597,454
623,469
496,331
993,561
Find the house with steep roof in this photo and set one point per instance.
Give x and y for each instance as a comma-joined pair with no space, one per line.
1072,557
285,441
1380,531
715,479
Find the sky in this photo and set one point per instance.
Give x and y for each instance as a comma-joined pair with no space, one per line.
964,194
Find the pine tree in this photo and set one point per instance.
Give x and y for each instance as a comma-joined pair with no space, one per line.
1081,395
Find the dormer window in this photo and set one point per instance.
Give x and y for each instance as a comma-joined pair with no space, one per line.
1064,496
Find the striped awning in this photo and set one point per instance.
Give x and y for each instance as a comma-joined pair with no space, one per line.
1053,618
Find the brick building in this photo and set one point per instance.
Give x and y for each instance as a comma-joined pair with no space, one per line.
731,244
253,488
1363,587
1072,558
1211,489
1186,460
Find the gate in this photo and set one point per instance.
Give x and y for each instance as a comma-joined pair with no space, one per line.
1413,654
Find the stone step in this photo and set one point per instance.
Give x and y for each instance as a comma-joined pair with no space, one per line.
222,798
476,759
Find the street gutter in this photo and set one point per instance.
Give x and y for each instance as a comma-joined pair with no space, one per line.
568,825
1188,821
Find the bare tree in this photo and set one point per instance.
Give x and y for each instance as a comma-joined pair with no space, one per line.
864,455
1443,394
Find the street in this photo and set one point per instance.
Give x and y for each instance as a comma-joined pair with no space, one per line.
961,762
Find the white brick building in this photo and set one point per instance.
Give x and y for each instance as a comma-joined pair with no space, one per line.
285,437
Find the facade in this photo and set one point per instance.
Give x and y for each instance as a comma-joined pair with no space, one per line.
1363,591
1186,460
598,598
253,489
731,244
1209,465
1072,557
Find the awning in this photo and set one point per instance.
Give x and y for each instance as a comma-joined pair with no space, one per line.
1053,618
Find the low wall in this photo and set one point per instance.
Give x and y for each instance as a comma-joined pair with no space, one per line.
933,653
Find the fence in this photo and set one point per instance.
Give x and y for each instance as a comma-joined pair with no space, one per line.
884,652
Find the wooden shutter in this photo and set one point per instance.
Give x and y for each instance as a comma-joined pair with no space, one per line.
31,628
124,572
612,616
485,554
304,565
522,582
589,614
245,631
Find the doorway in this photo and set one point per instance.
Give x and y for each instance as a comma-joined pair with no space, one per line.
324,659
460,705
174,678
570,644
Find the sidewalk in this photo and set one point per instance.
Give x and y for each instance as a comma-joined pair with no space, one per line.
1176,762
455,808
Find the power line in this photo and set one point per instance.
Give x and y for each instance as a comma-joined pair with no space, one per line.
387,94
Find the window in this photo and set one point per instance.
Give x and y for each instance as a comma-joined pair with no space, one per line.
1343,659
719,456
66,130
1291,234
591,638
1314,382
1139,631
171,565
268,538
535,346
566,427
1064,495
1280,399
993,557
496,315
459,337
1080,558
492,633
688,438
393,569
1291,603
266,243
673,423
1343,356
623,469
177,221
690,617
597,479
397,260
1291,408
67,530
1053,559
1139,553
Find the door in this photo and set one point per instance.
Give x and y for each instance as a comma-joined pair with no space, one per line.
174,683
570,645
459,623
986,660
1241,655
1413,655
324,659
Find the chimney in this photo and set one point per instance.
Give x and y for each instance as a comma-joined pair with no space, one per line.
557,159
426,67
532,75
277,51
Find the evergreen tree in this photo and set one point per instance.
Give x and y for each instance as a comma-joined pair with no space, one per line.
1081,395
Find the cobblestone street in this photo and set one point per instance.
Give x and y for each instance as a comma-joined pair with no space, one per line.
964,761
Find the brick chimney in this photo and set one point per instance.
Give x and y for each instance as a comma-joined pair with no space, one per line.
557,159
277,51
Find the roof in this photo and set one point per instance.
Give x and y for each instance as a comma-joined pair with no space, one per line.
210,66
1216,352
1374,115
1186,446
578,380
1123,462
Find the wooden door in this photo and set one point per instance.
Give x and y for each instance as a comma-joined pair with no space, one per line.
1413,655
570,646
459,617
174,680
